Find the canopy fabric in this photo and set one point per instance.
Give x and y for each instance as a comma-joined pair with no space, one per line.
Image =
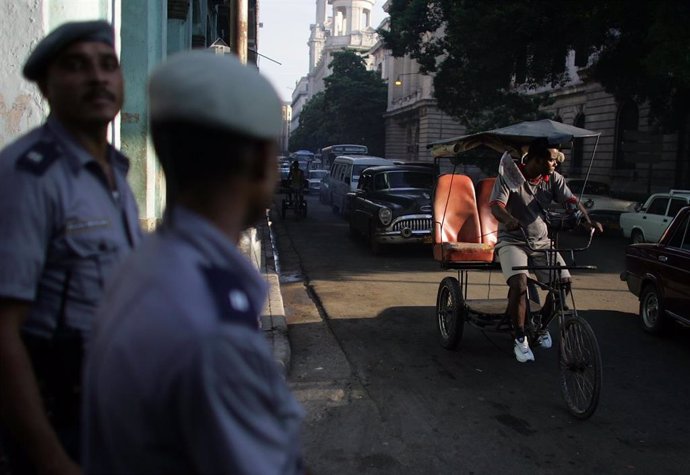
511,138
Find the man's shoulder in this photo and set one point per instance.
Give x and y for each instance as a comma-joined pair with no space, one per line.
35,152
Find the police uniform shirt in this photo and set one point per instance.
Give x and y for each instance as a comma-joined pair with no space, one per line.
62,229
179,379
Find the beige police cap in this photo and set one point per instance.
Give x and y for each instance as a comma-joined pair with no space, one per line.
218,90
61,37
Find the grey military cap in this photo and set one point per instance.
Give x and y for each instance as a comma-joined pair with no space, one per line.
61,37
201,87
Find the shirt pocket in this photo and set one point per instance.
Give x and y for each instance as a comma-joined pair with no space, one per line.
90,256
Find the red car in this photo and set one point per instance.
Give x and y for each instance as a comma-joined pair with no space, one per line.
659,274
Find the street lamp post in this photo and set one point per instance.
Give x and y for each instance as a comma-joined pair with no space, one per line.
398,81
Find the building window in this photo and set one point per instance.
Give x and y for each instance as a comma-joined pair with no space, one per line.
366,18
578,146
340,21
627,124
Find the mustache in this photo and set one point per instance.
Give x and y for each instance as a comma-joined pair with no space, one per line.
98,93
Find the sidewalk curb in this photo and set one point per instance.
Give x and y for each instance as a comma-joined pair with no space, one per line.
273,321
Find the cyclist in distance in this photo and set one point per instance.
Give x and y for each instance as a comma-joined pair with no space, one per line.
295,182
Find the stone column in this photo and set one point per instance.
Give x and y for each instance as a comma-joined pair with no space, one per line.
143,33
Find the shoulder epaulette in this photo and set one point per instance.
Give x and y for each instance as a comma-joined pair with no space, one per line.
232,300
39,157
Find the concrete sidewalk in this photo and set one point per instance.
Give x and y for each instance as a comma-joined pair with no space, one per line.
258,246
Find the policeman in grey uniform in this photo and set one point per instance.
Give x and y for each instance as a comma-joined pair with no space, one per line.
179,378
67,217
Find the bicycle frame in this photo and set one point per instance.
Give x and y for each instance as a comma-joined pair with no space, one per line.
556,287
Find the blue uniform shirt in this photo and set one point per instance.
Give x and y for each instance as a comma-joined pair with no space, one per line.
179,378
62,230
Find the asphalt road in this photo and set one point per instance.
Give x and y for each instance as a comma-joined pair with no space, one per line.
383,397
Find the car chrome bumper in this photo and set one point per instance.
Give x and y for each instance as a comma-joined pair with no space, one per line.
409,229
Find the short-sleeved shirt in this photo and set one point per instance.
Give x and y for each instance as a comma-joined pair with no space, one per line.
179,379
528,204
63,229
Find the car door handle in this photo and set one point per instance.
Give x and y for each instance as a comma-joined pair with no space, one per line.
662,258
644,217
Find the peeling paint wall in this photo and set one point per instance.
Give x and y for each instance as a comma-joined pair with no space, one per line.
21,106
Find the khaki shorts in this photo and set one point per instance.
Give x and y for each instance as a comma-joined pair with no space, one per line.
512,255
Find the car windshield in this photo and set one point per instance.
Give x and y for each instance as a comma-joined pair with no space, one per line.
403,179
318,174
358,169
592,188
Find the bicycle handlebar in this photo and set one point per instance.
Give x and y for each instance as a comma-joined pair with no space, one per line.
551,249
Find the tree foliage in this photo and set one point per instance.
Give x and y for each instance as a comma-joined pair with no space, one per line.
487,54
350,110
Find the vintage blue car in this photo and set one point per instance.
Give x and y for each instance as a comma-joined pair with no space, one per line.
392,205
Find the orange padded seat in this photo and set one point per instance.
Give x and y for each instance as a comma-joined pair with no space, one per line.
457,229
487,221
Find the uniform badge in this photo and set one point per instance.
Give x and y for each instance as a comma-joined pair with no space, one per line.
39,157
232,300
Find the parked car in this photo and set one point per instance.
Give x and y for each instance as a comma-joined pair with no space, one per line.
325,189
314,178
392,205
659,274
344,176
650,222
596,197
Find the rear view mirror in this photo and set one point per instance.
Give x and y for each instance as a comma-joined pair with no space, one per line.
347,180
638,207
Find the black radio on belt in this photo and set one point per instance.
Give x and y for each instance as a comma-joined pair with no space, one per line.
57,363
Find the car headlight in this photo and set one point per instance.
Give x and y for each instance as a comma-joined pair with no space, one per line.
385,216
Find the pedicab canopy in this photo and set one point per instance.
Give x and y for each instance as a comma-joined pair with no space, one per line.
511,138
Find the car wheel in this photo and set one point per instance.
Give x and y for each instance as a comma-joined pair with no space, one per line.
353,230
652,310
637,237
375,246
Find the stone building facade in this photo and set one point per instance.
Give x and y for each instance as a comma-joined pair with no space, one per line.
348,27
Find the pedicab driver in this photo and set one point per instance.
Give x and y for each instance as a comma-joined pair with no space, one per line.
296,182
179,378
525,209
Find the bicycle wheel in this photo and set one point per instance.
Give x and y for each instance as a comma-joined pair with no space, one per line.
450,313
580,366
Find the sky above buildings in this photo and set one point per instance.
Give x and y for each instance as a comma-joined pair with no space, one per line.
284,37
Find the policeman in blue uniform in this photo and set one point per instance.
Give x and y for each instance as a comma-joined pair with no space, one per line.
67,216
179,378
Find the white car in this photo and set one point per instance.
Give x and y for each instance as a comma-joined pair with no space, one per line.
314,178
599,203
650,222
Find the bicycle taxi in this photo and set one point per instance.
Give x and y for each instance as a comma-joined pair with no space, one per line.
465,233
293,199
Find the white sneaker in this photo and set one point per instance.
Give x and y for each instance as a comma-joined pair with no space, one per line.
522,351
544,339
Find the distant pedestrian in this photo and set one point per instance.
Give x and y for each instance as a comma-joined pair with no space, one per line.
179,378
67,216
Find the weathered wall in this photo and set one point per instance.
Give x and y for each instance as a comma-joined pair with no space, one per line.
21,106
